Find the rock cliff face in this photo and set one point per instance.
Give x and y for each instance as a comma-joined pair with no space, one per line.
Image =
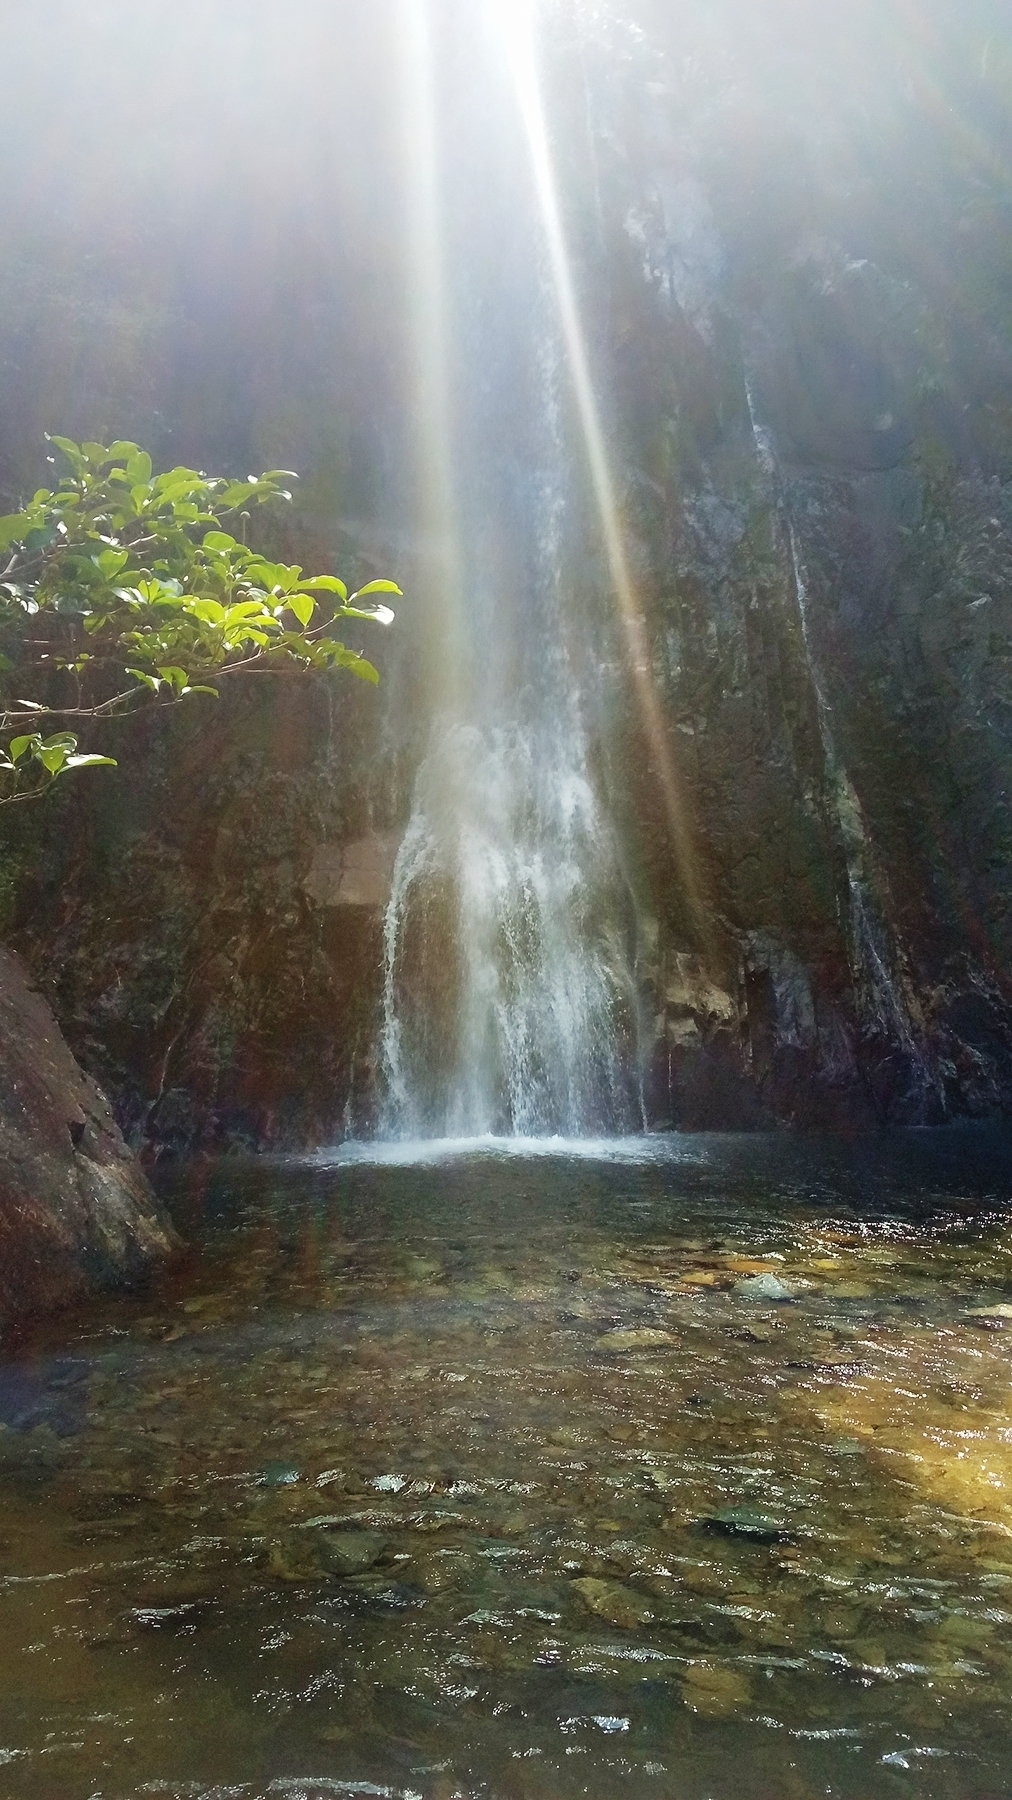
809,349
795,268
75,1207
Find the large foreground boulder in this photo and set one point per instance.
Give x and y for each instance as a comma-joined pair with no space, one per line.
75,1207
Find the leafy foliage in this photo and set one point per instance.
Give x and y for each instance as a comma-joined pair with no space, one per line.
121,588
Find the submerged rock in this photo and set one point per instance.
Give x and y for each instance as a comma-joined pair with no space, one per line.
991,1318
646,1339
742,1521
769,1287
713,1690
279,1475
349,1552
316,1550
183,1618
616,1604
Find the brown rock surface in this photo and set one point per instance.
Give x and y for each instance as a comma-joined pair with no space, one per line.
75,1206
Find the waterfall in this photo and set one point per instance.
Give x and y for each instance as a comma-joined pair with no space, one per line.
509,997
510,1000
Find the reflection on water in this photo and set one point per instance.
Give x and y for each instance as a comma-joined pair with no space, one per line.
680,1470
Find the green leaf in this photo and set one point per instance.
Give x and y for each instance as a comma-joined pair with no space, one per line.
95,453
219,540
70,450
211,612
12,528
121,451
180,482
328,584
91,762
17,746
247,609
377,615
111,562
248,634
302,605
263,574
377,587
139,468
235,493
176,677
340,657
149,681
53,758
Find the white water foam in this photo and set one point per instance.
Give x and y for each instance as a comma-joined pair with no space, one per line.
407,1153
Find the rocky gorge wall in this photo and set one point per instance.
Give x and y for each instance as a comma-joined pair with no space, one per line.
795,263
807,345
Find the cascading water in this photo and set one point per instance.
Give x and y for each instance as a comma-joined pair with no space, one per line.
510,1003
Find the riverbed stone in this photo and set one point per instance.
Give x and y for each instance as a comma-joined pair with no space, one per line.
645,1339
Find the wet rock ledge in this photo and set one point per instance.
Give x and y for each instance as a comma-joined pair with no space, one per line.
75,1207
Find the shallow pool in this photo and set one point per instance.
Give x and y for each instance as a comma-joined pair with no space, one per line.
679,1468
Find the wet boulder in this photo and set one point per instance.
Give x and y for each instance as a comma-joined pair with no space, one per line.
75,1207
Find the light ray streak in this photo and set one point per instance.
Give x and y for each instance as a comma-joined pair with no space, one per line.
515,24
428,310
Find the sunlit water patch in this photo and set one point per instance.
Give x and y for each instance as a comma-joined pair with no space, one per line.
682,1468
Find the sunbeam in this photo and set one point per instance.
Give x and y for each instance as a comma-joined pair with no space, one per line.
516,28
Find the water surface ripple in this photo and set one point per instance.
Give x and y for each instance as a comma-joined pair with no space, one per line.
674,1468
